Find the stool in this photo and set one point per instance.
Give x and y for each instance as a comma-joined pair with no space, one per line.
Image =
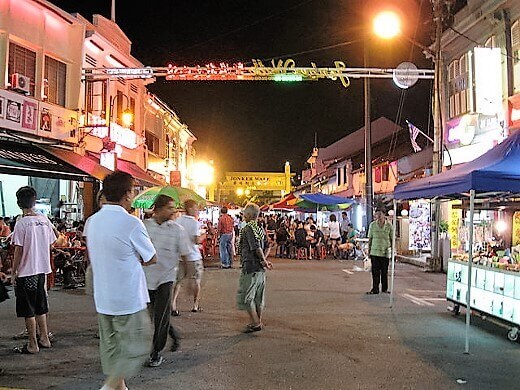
322,254
301,253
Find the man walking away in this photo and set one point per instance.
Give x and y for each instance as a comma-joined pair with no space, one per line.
32,237
379,245
225,232
193,267
168,238
118,248
253,251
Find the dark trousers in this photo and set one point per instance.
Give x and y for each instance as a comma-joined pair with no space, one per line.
379,273
160,310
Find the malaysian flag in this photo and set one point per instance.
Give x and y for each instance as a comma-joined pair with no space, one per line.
414,132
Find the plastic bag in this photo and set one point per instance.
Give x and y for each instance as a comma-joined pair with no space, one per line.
367,264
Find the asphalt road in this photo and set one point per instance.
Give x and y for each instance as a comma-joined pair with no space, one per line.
321,332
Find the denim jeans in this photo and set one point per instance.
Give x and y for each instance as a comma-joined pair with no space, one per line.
225,249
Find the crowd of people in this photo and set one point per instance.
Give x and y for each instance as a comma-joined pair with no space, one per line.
137,267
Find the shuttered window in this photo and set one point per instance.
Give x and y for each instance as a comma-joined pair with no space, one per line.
22,61
55,81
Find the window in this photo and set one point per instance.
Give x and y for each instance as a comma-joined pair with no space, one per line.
22,61
56,79
490,42
458,73
152,142
96,98
515,45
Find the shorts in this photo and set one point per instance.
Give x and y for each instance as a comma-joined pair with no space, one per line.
124,343
190,270
31,296
335,239
251,291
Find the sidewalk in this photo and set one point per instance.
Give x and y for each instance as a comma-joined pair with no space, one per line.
419,260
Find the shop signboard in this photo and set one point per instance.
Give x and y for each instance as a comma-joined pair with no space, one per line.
470,136
25,114
455,216
516,228
488,80
419,222
514,112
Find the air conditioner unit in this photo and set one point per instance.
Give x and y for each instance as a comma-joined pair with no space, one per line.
20,83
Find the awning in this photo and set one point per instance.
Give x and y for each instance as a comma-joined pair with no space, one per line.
19,158
84,163
133,169
138,173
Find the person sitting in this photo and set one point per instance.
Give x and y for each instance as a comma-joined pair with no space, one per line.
282,238
317,240
300,238
349,247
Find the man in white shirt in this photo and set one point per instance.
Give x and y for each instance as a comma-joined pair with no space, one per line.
193,267
118,246
170,241
32,239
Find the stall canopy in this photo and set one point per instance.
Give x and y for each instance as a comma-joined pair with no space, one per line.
497,170
313,202
285,203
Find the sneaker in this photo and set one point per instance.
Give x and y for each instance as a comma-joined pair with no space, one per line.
155,362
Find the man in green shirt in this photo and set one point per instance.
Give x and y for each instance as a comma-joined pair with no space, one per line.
379,245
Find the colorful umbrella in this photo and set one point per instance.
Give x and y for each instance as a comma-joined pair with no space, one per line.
145,199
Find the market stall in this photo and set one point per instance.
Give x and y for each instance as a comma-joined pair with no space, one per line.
493,286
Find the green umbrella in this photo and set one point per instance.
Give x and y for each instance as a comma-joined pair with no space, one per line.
145,199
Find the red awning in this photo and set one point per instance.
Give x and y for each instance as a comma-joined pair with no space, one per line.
84,163
283,204
138,173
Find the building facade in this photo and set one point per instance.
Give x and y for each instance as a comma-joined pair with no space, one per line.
64,131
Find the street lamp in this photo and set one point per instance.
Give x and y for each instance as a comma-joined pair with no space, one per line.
386,25
108,156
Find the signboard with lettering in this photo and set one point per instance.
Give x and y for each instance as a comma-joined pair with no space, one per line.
255,180
25,114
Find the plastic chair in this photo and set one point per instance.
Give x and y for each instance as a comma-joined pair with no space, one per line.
301,253
322,252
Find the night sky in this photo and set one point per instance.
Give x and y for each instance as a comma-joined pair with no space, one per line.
258,125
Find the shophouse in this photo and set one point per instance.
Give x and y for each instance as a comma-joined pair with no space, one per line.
339,168
61,130
481,77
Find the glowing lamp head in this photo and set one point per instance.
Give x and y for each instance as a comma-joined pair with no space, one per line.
387,25
240,191
203,173
127,118
501,226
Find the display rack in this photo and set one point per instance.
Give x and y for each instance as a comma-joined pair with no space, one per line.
495,292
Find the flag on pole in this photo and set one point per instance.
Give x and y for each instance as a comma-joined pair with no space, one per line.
414,132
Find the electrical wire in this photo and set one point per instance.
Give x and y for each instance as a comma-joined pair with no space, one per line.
256,22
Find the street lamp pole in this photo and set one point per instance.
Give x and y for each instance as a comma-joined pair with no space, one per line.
368,142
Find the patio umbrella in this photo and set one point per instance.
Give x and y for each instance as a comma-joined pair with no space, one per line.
145,199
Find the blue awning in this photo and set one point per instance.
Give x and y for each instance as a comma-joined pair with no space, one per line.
497,170
326,200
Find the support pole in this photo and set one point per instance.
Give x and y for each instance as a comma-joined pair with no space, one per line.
368,144
470,266
392,272
437,124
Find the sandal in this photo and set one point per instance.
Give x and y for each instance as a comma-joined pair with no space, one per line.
176,313
23,350
250,328
372,292
196,310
